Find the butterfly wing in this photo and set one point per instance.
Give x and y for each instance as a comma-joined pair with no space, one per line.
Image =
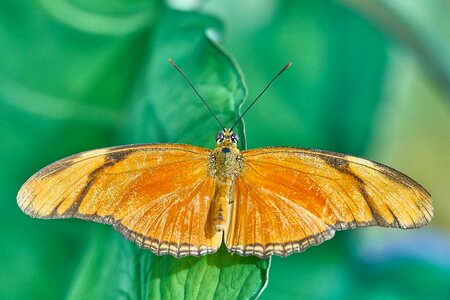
158,196
288,199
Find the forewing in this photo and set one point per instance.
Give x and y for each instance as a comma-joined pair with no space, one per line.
288,199
158,196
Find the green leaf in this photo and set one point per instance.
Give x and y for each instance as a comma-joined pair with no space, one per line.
171,111
167,110
115,268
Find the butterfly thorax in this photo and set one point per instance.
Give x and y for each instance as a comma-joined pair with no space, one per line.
225,162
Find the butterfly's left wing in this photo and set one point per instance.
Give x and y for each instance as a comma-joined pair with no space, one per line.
158,196
288,199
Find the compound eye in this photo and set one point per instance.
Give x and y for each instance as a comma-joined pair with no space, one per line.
219,137
234,137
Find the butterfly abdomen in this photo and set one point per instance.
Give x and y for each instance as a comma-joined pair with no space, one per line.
220,207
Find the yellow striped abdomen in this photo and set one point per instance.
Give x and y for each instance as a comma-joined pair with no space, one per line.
220,207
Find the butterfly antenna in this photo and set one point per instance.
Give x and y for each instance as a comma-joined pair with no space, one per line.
198,94
267,86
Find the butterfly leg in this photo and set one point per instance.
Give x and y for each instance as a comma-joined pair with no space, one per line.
230,195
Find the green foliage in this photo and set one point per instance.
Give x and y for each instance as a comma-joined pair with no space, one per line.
369,78
165,109
115,268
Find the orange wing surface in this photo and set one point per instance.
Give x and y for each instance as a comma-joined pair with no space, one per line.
158,196
288,199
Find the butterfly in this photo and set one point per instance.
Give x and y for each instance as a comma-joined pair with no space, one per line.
184,200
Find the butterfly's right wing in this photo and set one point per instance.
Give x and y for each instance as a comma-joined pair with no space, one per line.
158,196
288,199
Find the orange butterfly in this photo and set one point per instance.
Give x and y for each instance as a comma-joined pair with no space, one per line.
183,200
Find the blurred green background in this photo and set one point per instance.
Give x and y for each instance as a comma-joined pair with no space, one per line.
370,78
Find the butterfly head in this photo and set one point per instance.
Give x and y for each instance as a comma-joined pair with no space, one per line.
226,138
